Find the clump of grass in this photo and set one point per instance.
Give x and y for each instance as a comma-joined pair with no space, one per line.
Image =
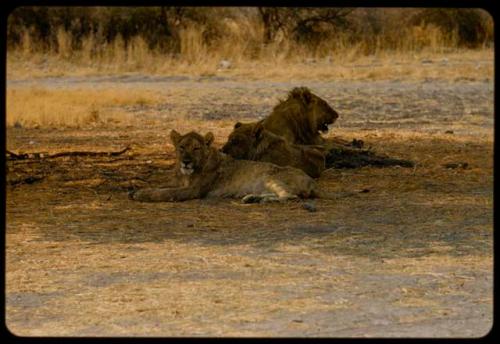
74,107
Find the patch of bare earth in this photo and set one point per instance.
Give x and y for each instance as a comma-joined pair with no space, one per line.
410,258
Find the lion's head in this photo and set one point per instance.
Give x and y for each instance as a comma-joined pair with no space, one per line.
242,138
192,150
320,114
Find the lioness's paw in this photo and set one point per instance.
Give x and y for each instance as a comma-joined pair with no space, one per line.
131,194
138,195
270,199
251,199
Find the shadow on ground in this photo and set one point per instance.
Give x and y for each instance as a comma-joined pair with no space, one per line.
406,213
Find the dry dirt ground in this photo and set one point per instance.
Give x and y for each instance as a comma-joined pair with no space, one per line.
410,258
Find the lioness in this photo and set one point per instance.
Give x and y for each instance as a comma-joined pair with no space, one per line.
251,141
301,117
205,172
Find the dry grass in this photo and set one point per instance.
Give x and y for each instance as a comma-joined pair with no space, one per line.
32,105
411,66
470,64
242,45
414,254
108,102
466,64
38,106
412,257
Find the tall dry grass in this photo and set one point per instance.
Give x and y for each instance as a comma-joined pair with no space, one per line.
37,106
241,44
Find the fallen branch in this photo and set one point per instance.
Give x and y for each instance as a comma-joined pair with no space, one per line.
341,153
27,180
14,156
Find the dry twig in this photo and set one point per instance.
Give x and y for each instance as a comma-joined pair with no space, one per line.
14,156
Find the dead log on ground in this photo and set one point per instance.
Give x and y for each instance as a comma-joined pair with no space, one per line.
346,157
14,156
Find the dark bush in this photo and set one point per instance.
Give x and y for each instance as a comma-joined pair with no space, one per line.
468,24
159,26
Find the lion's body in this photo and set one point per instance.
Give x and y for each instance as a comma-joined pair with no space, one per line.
251,141
239,178
300,117
205,172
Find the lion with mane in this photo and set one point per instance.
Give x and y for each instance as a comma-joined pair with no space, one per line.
301,117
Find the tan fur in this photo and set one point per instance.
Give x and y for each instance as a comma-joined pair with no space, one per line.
250,141
205,172
300,117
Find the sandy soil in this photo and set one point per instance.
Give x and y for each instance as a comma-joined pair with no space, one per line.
410,258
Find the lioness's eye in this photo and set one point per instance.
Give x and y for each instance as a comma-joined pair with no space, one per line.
196,148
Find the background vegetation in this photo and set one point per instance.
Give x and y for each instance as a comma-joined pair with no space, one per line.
258,43
131,34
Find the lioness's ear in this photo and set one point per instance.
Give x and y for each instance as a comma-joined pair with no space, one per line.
174,136
209,138
237,125
257,130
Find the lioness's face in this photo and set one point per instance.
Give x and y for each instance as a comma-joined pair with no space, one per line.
191,150
323,113
239,141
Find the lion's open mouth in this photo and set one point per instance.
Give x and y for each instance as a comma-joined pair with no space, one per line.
324,127
187,169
